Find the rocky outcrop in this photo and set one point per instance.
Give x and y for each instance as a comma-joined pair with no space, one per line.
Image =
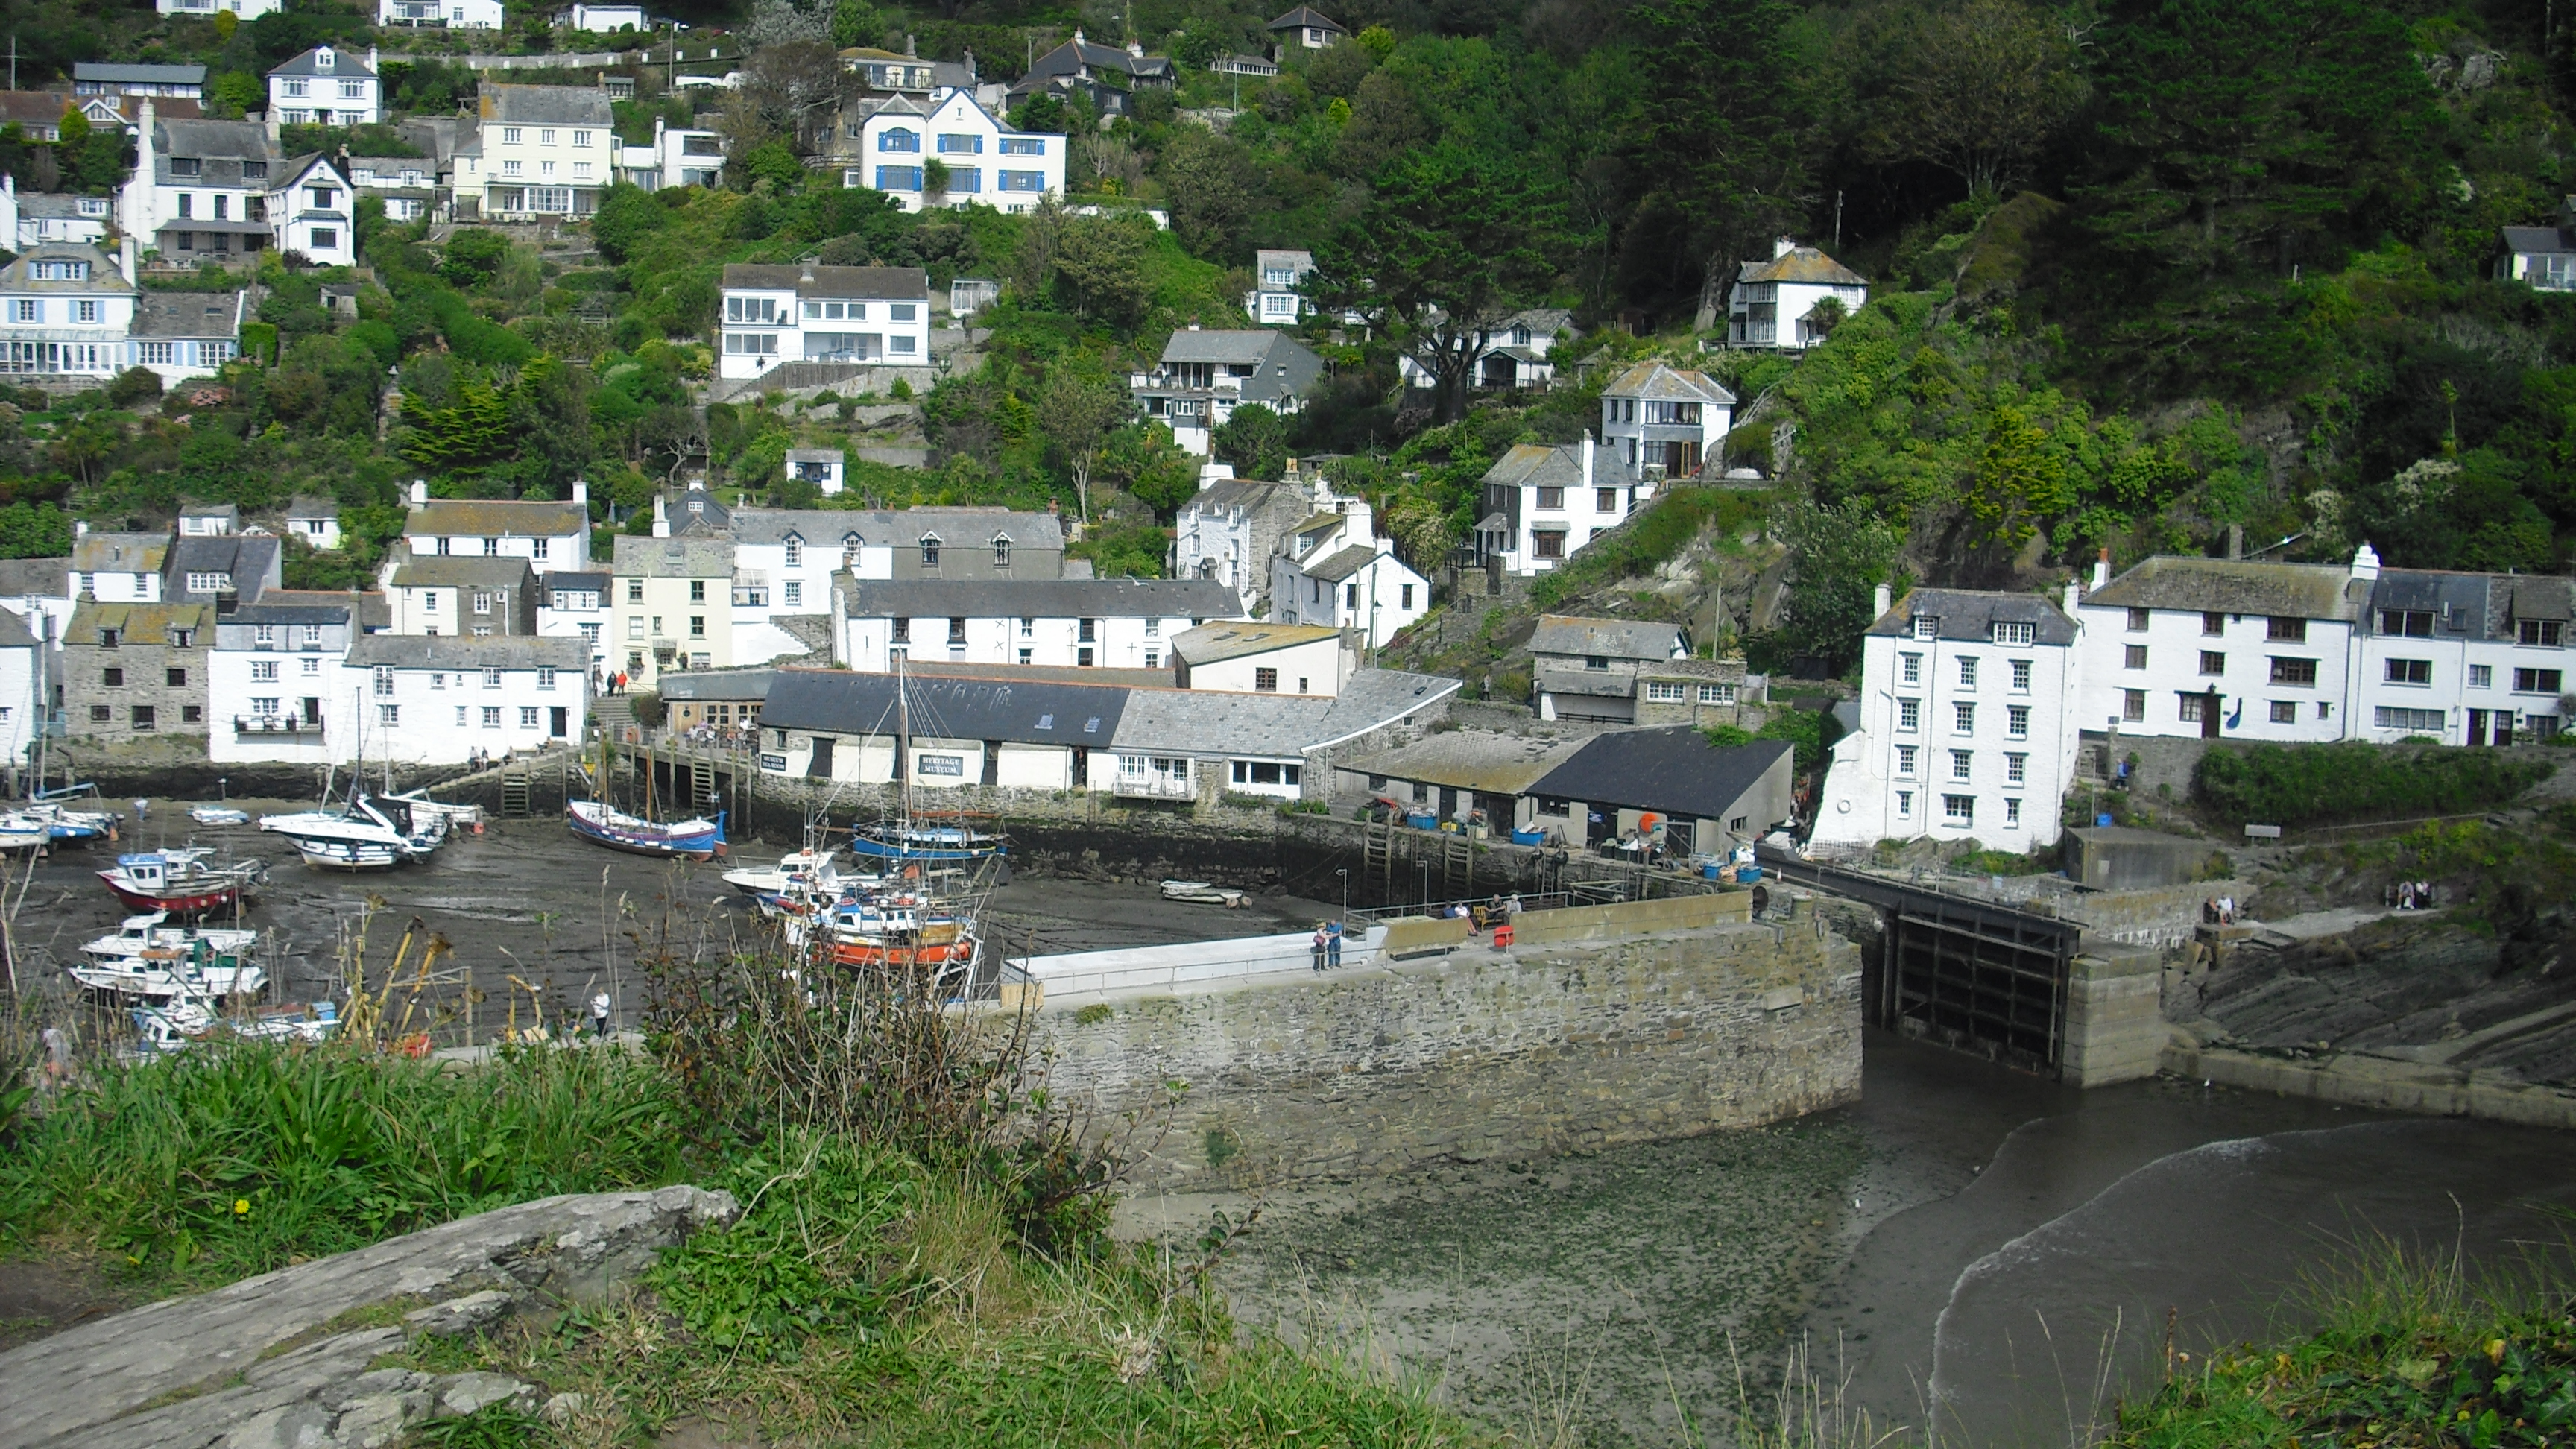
257,1363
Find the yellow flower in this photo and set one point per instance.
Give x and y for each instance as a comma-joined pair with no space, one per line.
241,1207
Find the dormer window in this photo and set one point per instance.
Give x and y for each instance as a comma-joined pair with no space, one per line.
795,551
1926,627
2006,633
1001,553
930,552
187,166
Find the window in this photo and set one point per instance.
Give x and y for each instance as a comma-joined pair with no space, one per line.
2212,662
2017,721
1086,631
1960,760
1082,658
1926,627
1547,544
635,627
1669,693
1909,668
84,311
1967,673
2012,811
2285,711
2286,631
1024,145
795,594
2301,672
2542,631
145,717
1909,714
312,668
1959,809
1266,680
2413,721
952,143
2406,623
1404,596
545,679
634,591
24,310
2138,621
2014,635
2481,676
2016,769
175,678
2021,676
2133,705
491,716
101,714
511,135
1717,694
902,631
1605,500
482,602
527,716
296,88
510,168
581,138
1905,804
899,142
2410,671
2535,681
111,678
1551,499
697,626
930,553
1905,759
491,679
263,669
389,714
1028,628
546,137
2191,708
2133,656
1964,715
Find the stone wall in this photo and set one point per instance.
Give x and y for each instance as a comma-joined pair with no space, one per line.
1477,1055
2115,1021
2156,916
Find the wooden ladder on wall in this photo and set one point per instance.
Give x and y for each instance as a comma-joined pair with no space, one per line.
515,790
1377,855
702,780
1458,866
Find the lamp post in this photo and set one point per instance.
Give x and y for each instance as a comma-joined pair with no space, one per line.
1345,873
1425,868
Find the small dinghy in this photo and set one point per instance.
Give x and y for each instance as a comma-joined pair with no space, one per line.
1199,892
218,815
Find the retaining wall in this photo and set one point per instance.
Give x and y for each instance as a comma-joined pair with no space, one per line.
2363,1081
1475,1055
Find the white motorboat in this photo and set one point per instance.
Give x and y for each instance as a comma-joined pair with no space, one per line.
65,824
22,831
369,834
804,868
422,808
218,815
1199,892
150,961
184,1022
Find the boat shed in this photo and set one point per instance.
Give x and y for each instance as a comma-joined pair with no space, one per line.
1706,798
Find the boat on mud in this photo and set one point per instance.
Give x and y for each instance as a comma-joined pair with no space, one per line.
183,882
186,1022
891,930
601,824
805,868
149,960
1199,892
369,833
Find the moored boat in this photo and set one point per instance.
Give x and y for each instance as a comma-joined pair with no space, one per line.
148,960
182,1023
368,834
182,882
600,824
805,867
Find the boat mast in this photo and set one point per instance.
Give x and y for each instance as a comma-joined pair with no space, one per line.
903,750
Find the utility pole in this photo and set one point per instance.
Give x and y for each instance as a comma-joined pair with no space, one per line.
13,61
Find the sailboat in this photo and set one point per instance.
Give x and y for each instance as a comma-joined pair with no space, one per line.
907,838
601,823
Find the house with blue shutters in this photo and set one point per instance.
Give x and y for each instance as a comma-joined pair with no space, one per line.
978,158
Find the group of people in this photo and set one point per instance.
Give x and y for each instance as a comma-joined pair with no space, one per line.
610,684
2219,911
2411,895
1326,948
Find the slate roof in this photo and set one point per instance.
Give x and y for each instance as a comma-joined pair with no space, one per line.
2530,240
246,556
302,606
2233,586
228,512
1657,382
544,105
1613,638
816,455
843,702
304,505
34,108
716,683
190,314
901,283
497,518
14,633
673,558
2484,607
463,572
1252,495
144,623
1534,465
1266,258
1374,698
1041,598
1302,17
120,553
577,579
1216,724
1676,771
114,73
1079,53
1484,760
1211,345
221,145
26,576
1341,564
1042,673
1214,643
344,64
104,280
1970,614
1802,264
51,203
466,651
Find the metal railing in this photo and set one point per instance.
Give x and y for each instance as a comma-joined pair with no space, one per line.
1154,787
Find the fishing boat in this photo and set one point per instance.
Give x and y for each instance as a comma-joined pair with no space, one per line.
910,838
601,824
182,882
183,1023
147,960
898,930
366,834
66,824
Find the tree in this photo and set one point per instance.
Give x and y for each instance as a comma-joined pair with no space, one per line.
1212,189
1040,112
472,256
1254,440
1718,137
1155,471
1453,242
626,215
1102,259
1838,558
856,22
1076,410
1984,86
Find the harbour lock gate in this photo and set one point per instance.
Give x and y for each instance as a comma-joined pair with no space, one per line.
1966,973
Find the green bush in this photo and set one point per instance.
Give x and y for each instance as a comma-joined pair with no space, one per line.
2316,784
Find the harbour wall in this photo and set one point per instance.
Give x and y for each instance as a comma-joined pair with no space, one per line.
1623,1031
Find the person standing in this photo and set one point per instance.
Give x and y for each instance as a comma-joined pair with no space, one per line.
1315,949
599,1017
1333,946
58,1058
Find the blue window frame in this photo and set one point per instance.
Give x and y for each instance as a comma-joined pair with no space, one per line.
1024,145
965,180
898,140
952,143
898,178
1023,181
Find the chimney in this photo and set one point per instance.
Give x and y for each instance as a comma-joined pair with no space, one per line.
970,68
1136,48
125,258
371,58
911,53
1077,35
1587,457
661,517
807,274
420,493
1194,326
2365,563
2236,540
80,528
2102,569
276,119
2074,596
1782,247
1881,599
581,491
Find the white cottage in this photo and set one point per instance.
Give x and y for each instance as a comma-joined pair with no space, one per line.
1084,623
327,87
982,159
808,312
1774,303
436,701
65,310
1543,505
276,680
1333,569
1665,422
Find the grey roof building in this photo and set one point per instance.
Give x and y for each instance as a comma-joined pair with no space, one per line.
209,568
1205,375
1046,712
1037,598
1971,614
1710,797
1579,638
448,651
545,105
112,78
820,281
2234,586
1230,530
1589,668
